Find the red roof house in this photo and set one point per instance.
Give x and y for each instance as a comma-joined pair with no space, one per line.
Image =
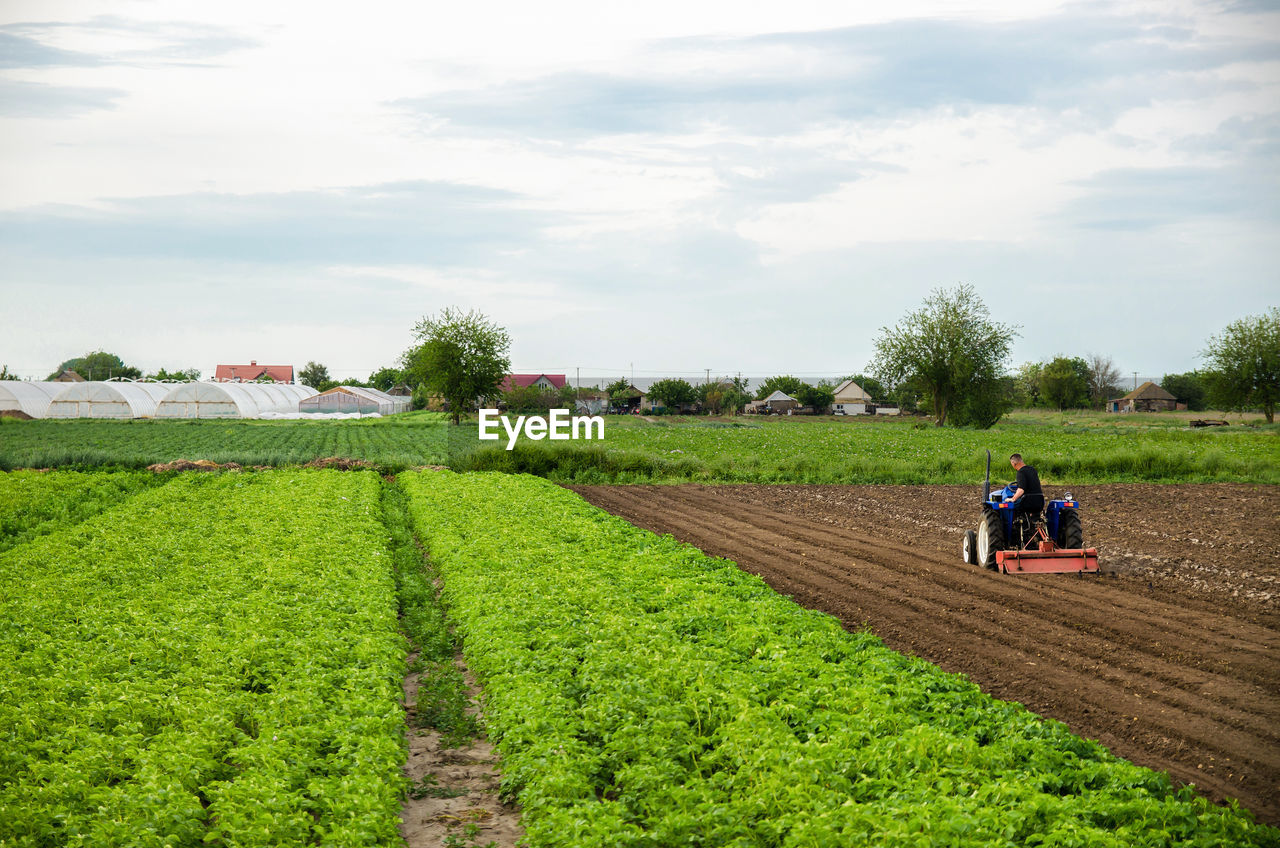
546,382
251,372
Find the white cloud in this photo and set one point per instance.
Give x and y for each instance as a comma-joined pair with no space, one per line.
636,173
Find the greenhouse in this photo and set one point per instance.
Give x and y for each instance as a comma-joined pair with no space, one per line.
231,400
208,400
108,400
357,399
27,399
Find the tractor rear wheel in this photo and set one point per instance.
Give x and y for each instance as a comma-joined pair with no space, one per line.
990,539
970,547
1070,533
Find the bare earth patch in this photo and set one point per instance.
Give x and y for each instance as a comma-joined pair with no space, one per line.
455,790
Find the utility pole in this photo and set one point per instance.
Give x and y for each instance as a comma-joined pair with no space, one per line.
708,370
1135,381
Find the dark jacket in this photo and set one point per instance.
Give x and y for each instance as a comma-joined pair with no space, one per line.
1032,499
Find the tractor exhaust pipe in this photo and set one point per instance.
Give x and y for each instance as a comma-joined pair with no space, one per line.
986,487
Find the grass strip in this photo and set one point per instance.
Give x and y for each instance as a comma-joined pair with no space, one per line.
442,701
642,693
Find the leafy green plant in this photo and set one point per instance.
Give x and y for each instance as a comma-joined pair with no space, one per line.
213,661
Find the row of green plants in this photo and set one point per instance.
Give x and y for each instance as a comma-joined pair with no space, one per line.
642,693
33,503
894,452
216,661
901,451
418,439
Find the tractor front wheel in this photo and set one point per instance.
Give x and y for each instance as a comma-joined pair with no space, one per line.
969,548
990,539
1070,534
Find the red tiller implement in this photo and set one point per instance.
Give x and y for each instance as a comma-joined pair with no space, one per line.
1042,556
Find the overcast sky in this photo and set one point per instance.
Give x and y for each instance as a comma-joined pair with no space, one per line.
663,186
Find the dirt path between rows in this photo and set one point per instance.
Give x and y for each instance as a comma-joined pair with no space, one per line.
1171,659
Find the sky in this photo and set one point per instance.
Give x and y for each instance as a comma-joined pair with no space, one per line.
652,189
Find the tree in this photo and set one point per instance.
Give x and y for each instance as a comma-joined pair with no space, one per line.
98,365
820,397
673,393
386,379
1243,362
1104,379
528,399
1188,388
460,356
720,397
313,374
949,348
1026,384
985,403
188,375
618,388
6,374
785,383
1064,383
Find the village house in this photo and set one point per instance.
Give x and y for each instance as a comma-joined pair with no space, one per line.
252,373
850,399
1146,398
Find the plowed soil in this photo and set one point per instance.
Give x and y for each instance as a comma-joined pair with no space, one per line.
1170,658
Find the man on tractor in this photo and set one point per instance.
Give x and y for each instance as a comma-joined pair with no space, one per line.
1028,497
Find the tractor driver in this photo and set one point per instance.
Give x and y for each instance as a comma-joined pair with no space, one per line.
1028,497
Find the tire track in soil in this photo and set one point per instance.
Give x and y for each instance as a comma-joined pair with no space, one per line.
1181,685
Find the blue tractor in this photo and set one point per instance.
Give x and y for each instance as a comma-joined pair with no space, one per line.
1021,543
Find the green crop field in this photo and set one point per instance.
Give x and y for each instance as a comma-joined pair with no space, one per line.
1074,448
421,438
906,451
214,660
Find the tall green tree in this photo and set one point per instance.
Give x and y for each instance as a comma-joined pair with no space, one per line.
98,365
949,349
1188,388
189,374
820,396
784,383
722,396
1243,364
314,374
1064,383
386,379
460,356
6,374
1026,384
618,388
672,392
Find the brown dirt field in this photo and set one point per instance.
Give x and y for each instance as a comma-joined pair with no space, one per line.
1170,658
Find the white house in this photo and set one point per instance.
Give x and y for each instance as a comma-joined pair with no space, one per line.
850,399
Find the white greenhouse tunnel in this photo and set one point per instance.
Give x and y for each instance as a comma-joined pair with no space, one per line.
29,398
231,400
108,400
127,399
